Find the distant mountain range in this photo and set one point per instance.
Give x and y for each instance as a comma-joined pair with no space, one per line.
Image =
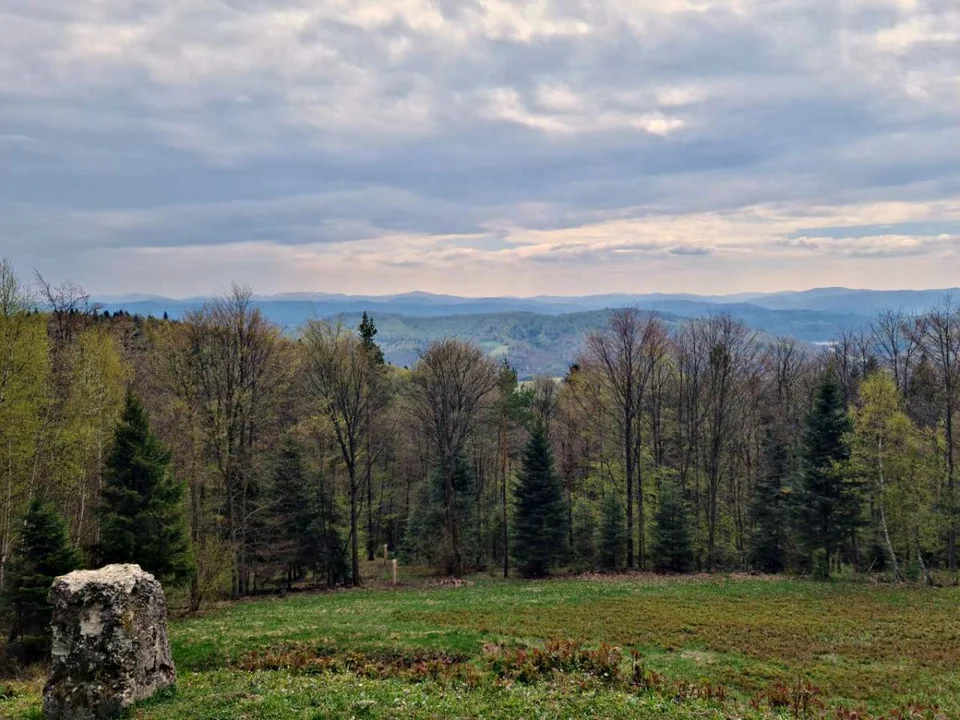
543,334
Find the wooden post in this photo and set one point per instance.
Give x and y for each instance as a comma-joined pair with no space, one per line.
384,552
394,571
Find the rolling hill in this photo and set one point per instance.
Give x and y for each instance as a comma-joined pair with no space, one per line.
542,335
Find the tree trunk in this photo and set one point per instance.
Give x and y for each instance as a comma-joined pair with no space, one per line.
951,500
503,476
368,470
354,539
883,514
641,524
628,458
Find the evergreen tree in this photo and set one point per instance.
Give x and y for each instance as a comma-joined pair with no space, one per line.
142,513
425,540
291,513
368,333
539,524
584,536
827,501
325,550
672,547
613,534
768,508
44,553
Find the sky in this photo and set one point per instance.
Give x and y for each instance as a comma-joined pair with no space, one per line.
481,147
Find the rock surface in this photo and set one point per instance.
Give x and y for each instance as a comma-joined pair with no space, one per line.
110,646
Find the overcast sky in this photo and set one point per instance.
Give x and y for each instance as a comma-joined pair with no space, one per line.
481,146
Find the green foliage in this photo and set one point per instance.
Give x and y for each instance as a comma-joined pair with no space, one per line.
425,540
95,393
44,553
142,513
539,524
769,507
325,550
584,548
672,549
423,537
304,523
612,545
24,402
891,458
828,502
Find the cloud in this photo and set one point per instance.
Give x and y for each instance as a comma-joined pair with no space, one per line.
718,144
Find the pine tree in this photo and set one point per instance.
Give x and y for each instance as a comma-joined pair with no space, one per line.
44,553
827,501
368,333
142,513
539,524
673,547
768,508
613,534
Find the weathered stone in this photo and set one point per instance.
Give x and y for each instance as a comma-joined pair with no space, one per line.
110,646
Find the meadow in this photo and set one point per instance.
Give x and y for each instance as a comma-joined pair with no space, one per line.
632,646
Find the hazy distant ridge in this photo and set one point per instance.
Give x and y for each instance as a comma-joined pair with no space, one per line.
833,300
543,334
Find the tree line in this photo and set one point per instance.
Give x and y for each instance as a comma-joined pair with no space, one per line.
234,457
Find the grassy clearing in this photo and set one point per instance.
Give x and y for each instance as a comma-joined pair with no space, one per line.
698,647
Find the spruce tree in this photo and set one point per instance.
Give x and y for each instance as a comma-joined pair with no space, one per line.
142,518
768,507
291,513
613,534
539,523
325,550
827,501
672,547
368,333
425,540
44,553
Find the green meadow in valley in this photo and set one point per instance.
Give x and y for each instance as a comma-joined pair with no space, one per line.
635,646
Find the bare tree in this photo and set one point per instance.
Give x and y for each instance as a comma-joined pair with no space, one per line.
344,379
69,305
453,382
733,369
624,356
787,360
852,358
896,346
938,333
225,361
545,400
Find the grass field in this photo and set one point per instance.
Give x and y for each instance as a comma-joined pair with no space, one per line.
636,646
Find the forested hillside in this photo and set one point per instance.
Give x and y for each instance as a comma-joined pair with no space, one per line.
544,335
253,459
538,341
